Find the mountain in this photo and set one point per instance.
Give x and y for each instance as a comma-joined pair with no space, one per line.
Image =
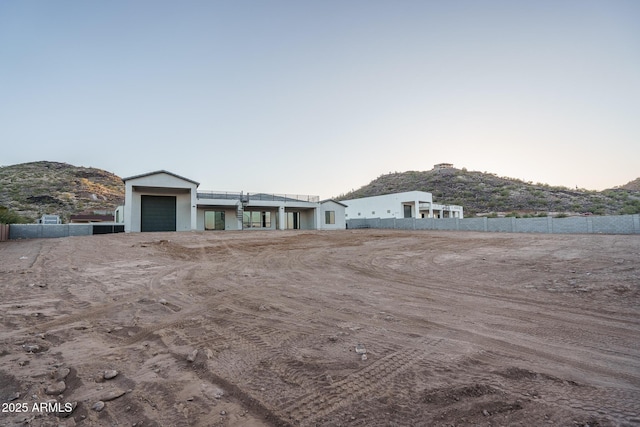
485,193
37,188
631,185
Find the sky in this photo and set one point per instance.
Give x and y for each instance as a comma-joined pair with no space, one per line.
321,97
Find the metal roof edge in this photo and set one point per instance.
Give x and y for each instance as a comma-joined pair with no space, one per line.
159,172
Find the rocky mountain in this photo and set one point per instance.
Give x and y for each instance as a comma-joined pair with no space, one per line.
487,193
631,185
33,189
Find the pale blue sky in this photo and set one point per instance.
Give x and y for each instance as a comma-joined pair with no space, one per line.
321,97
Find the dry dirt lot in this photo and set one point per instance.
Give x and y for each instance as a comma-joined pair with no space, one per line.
459,328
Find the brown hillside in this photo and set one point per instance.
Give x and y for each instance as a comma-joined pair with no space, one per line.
37,188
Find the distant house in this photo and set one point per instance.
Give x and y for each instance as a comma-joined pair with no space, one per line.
441,166
164,201
410,204
87,218
49,219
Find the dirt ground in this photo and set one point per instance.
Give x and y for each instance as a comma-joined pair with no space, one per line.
347,328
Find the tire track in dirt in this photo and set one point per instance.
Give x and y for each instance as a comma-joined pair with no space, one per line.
93,313
614,403
623,404
376,267
373,271
377,270
306,410
518,351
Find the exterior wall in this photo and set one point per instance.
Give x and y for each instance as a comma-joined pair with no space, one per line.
46,231
274,217
230,217
308,219
49,220
160,184
454,211
614,224
183,209
190,209
392,206
37,231
386,206
339,209
118,215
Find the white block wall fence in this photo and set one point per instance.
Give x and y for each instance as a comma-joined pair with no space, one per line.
612,224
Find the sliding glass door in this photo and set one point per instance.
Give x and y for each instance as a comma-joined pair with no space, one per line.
214,220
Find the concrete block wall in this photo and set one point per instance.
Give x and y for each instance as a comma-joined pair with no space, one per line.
473,224
505,225
445,224
614,224
424,224
570,225
532,225
39,231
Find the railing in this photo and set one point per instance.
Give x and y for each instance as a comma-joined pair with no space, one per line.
227,195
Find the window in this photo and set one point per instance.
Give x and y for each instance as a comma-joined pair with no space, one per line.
330,217
256,219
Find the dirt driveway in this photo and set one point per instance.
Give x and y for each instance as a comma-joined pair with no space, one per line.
351,328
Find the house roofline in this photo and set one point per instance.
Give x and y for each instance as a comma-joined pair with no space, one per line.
334,201
159,172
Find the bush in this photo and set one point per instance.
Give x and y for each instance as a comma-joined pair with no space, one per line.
631,207
10,217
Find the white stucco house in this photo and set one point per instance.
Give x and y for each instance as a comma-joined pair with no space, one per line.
164,201
410,204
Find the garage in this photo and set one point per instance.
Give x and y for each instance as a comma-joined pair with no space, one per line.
158,213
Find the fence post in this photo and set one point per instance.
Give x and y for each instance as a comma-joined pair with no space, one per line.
4,232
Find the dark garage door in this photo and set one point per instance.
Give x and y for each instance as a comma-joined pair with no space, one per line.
158,213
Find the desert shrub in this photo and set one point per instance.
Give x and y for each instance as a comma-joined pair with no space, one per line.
10,217
631,207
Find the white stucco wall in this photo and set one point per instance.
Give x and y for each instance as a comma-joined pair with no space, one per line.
190,210
386,206
307,219
340,222
160,184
